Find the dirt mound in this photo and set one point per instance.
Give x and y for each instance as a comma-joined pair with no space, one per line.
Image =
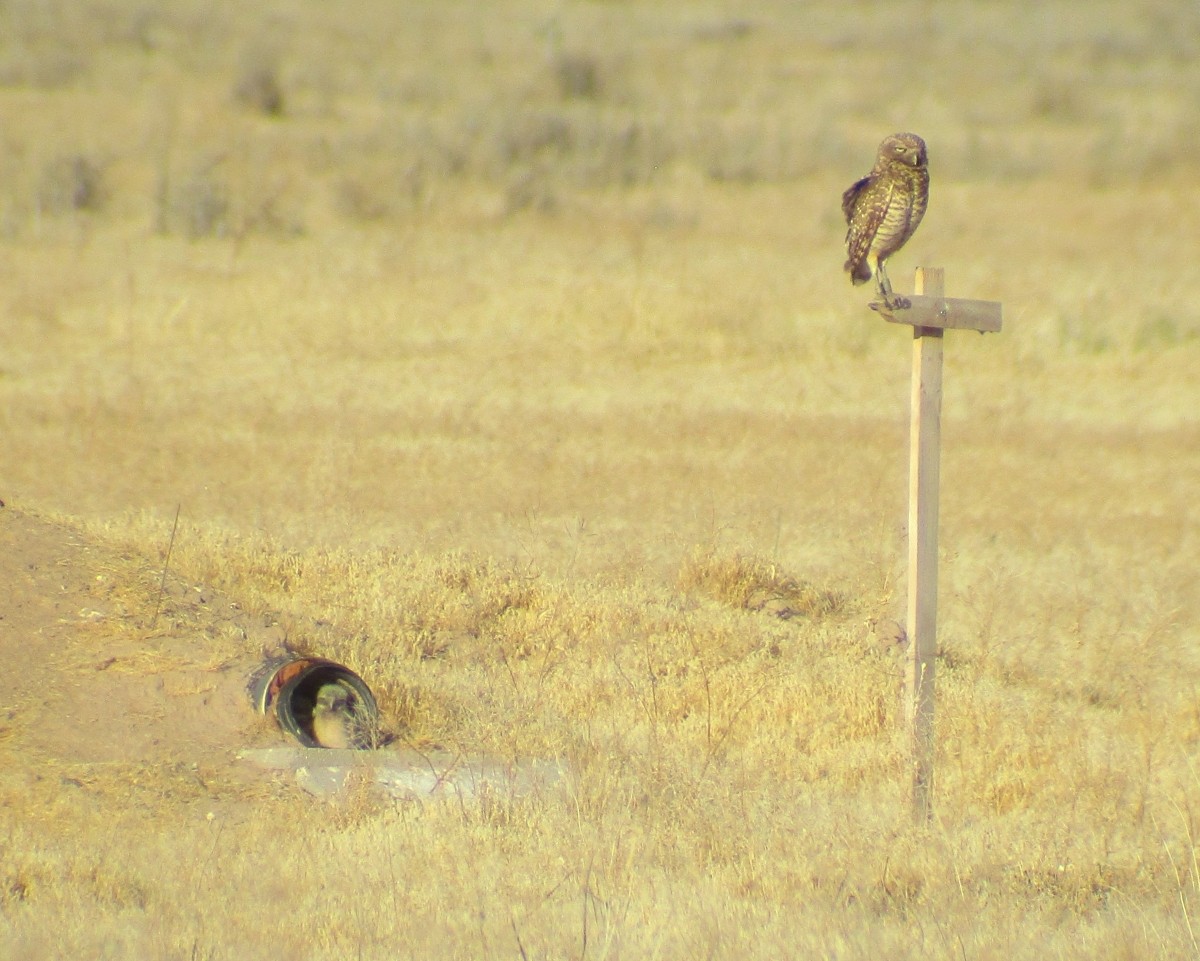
121,681
106,663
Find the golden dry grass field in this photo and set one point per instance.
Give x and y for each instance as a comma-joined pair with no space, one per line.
502,351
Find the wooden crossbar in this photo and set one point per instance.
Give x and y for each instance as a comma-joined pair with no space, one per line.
943,313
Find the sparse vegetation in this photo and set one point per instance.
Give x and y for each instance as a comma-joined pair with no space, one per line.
258,86
511,364
72,183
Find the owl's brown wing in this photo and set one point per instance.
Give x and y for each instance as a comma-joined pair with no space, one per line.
868,208
850,197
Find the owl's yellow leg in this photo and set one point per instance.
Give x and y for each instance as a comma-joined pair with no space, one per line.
885,290
881,280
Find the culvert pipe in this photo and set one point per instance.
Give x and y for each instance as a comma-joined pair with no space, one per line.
317,701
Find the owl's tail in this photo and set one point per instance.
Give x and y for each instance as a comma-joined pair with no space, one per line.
860,273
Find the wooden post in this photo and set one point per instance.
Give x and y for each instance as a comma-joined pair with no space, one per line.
923,480
929,312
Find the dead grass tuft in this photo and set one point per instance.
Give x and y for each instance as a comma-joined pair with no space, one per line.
752,584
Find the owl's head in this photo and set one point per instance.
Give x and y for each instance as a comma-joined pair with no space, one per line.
332,697
907,148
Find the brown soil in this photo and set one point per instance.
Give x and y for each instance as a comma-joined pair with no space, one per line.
102,668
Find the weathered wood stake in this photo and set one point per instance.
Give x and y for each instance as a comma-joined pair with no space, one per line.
929,313
924,468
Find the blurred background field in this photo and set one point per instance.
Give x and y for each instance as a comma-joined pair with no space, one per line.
503,352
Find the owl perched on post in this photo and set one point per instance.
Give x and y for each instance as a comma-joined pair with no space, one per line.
883,210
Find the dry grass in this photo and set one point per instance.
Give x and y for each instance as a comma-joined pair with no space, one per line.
512,352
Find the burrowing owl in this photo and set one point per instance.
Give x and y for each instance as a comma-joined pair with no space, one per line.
333,721
884,208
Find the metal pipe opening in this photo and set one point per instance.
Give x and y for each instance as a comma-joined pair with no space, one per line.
319,702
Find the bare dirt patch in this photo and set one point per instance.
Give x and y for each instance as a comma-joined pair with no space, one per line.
96,675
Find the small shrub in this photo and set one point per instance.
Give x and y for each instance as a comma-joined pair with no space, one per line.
71,183
359,201
377,194
1159,332
578,76
530,190
258,88
201,205
43,66
528,136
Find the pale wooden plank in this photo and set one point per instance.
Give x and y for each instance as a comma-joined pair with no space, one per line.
924,471
944,313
